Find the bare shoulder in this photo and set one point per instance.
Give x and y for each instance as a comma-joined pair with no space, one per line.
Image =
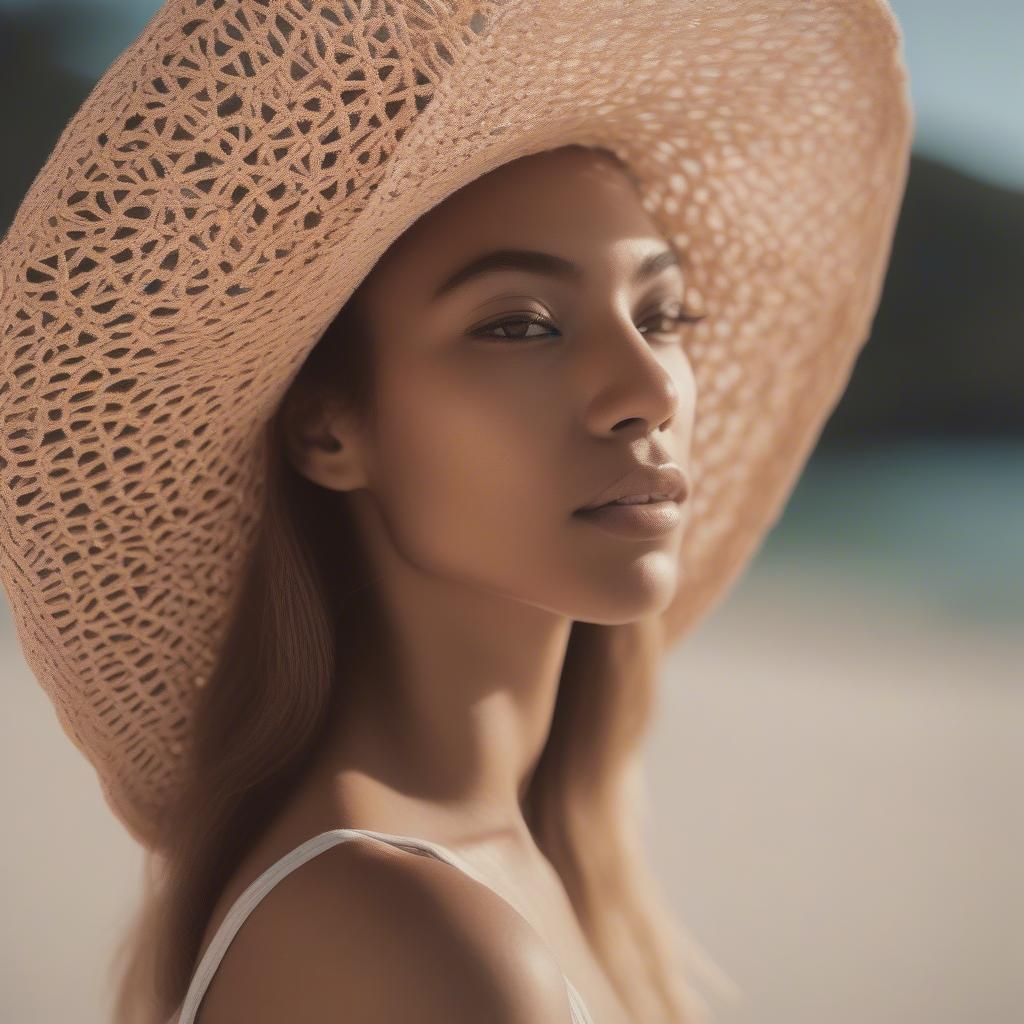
370,934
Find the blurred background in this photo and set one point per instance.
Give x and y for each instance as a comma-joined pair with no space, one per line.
836,773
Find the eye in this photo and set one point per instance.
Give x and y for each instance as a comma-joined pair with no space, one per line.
677,315
520,325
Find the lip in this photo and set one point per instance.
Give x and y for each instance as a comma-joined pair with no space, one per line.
636,522
643,480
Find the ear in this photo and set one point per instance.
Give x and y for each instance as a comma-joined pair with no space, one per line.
320,442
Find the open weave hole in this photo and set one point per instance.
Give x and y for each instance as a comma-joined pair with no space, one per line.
232,178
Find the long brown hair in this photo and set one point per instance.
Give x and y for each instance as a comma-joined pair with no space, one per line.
306,596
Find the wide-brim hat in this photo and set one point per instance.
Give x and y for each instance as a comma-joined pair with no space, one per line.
237,172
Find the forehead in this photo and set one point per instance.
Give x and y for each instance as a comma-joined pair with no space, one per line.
577,203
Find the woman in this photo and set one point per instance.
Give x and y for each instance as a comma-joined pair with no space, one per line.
491,427
418,646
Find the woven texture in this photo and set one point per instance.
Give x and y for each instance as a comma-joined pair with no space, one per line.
241,167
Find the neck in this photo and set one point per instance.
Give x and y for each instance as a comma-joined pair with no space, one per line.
449,726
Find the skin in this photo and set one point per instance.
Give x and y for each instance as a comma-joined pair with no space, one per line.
463,491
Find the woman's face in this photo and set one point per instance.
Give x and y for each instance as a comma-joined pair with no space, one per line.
489,437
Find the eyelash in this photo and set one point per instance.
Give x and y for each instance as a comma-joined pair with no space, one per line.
684,316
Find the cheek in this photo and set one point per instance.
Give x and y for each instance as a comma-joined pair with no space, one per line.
464,463
686,386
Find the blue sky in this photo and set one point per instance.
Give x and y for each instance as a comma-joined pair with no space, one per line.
967,82
965,65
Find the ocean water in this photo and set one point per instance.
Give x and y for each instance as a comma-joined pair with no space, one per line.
939,525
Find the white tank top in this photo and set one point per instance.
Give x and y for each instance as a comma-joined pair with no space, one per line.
243,906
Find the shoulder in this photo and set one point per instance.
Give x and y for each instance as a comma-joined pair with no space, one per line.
374,934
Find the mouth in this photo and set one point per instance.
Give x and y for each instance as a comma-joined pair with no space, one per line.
640,499
645,486
634,520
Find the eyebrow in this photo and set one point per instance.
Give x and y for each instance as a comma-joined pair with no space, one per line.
534,262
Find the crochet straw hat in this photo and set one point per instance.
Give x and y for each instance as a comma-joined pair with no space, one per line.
237,172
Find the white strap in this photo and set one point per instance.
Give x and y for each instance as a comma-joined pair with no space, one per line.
256,890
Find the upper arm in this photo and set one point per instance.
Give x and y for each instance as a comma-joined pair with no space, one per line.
375,936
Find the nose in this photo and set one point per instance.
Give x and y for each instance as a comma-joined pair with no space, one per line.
638,384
